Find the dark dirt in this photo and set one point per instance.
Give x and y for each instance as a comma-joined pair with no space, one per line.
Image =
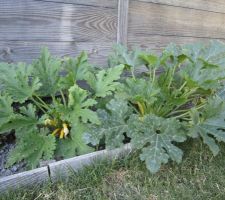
6,145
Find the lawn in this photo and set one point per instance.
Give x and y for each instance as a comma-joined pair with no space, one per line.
199,176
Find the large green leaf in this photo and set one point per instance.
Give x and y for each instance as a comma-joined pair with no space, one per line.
79,106
141,93
212,53
74,145
197,74
76,69
16,82
156,137
209,124
113,125
78,114
121,55
207,64
105,81
140,90
47,69
6,110
31,147
26,120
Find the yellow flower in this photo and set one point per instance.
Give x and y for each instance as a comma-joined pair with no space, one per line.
65,129
47,121
55,131
61,132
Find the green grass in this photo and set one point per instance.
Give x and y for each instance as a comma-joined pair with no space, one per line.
200,176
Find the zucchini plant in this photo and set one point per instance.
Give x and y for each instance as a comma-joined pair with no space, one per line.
49,112
64,107
178,95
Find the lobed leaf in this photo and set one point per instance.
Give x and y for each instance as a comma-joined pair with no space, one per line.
77,113
74,145
105,81
76,69
16,82
156,137
113,125
26,120
209,124
6,110
47,69
43,147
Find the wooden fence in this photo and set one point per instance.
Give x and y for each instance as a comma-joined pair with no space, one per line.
67,27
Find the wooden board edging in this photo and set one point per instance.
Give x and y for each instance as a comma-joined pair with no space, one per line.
23,179
63,168
59,169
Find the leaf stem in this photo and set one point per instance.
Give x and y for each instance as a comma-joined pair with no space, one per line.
42,102
38,105
63,97
182,115
171,78
153,76
186,113
177,111
53,98
133,75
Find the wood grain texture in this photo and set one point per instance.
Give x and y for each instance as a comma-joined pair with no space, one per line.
122,25
207,5
148,20
157,43
96,3
24,179
27,51
62,169
30,20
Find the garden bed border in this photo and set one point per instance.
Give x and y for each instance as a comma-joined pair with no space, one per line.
58,170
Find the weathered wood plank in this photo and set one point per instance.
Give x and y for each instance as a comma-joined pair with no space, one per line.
63,169
19,51
122,25
157,43
208,5
97,3
148,20
30,20
24,179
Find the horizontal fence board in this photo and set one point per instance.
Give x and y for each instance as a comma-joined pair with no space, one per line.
27,51
157,43
27,20
97,3
24,179
147,20
208,5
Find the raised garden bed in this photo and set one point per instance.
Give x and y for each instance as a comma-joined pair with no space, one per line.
58,108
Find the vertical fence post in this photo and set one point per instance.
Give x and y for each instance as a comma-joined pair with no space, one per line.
122,25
